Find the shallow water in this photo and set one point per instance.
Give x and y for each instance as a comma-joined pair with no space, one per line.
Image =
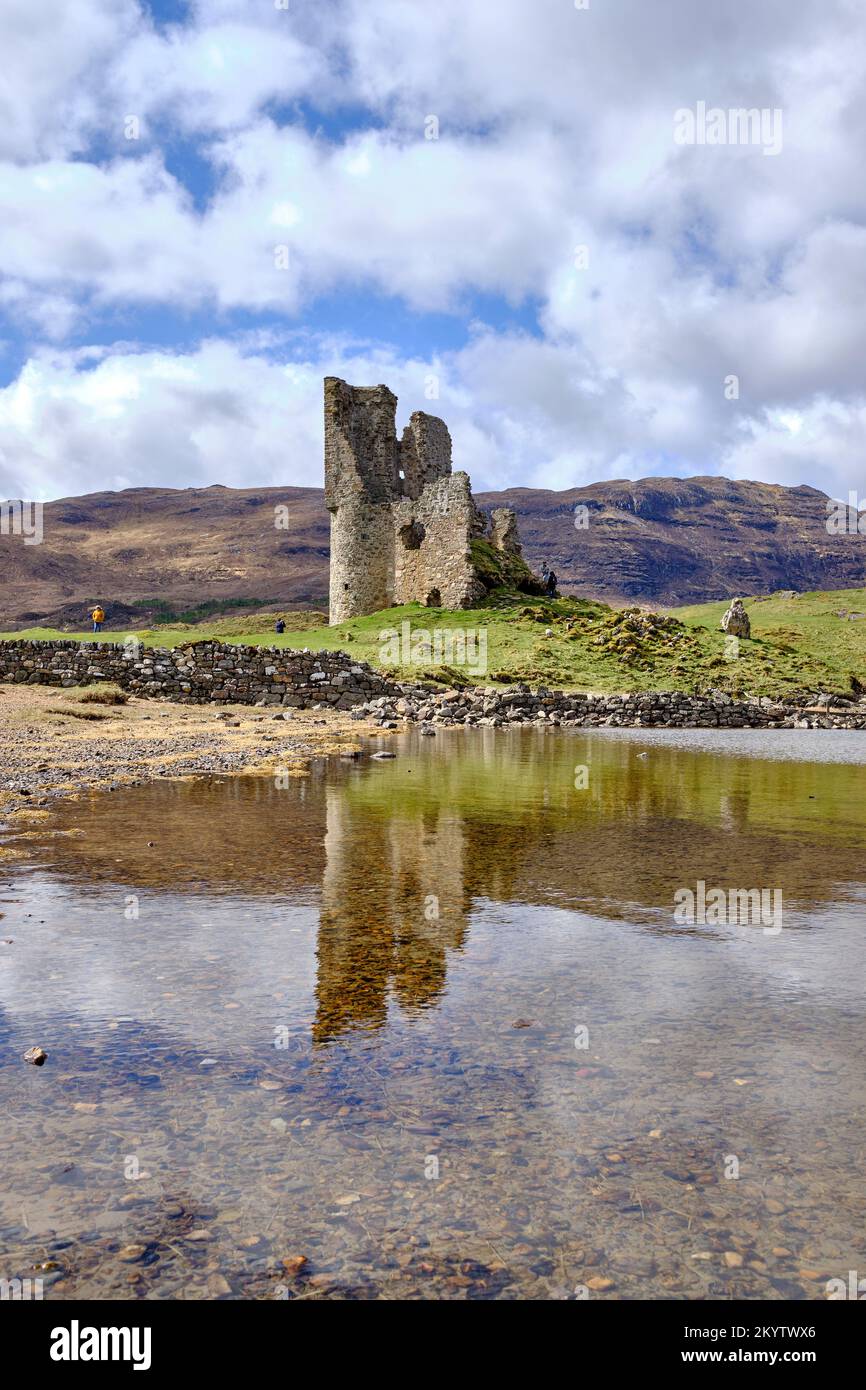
345,1019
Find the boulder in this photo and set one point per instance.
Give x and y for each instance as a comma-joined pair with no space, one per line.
735,621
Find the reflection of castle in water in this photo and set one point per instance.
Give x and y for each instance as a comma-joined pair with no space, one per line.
394,903
394,856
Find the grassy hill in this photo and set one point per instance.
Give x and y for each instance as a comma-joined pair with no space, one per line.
806,643
806,630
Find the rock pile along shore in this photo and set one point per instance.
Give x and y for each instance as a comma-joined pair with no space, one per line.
498,708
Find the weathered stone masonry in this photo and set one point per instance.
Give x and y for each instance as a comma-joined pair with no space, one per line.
402,524
219,673
201,673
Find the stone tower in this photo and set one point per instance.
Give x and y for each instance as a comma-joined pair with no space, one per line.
361,483
402,524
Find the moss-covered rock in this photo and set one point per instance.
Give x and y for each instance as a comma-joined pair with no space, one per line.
499,569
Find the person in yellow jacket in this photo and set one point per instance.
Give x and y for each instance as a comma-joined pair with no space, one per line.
98,616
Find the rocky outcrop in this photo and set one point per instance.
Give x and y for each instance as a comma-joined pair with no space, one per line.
735,620
201,673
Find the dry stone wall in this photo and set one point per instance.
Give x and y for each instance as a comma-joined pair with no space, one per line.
201,673
220,673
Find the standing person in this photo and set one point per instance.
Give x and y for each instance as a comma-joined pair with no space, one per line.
98,616
279,625
550,584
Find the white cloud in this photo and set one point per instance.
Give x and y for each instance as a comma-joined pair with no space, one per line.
55,61
216,77
72,73
421,221
556,130
521,413
821,444
120,232
134,419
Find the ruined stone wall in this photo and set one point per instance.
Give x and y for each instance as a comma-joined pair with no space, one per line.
362,561
503,532
402,524
201,673
425,452
433,562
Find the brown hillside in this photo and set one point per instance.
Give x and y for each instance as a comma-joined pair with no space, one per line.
660,540
676,541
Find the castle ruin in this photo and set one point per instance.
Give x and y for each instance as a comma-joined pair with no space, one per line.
403,526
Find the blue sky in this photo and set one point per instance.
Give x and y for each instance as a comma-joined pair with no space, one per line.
207,207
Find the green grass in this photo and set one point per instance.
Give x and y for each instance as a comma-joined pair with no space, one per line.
797,644
801,635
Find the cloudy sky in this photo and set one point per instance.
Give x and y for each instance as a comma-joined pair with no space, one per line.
206,207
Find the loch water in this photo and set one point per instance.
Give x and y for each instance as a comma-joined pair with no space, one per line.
429,1027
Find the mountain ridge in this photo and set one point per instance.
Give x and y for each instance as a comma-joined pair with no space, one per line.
662,541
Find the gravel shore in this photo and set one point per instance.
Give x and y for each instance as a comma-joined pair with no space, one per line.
53,747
